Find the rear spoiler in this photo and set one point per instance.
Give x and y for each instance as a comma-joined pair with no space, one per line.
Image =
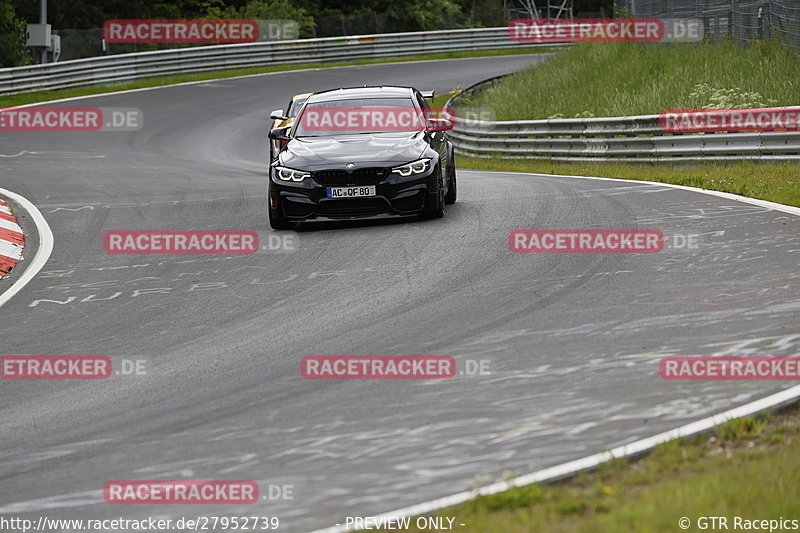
427,94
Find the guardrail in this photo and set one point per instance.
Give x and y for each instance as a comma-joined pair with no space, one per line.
126,67
629,139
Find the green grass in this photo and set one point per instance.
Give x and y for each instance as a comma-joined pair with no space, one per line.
616,79
776,182
748,468
41,96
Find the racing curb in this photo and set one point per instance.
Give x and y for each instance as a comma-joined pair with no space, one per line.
12,240
41,239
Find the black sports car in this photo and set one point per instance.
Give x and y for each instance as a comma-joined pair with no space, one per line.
366,152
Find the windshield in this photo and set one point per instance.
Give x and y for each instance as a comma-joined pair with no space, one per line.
357,116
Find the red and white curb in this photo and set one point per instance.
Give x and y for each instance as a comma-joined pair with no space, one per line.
11,240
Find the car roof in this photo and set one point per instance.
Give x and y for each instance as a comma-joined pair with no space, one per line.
361,92
299,96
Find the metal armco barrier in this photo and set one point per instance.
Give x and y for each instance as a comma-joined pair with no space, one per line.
126,67
618,139
635,138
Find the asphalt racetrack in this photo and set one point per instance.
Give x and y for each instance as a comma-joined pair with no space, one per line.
572,342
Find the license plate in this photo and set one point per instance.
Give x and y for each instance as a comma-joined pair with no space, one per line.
351,192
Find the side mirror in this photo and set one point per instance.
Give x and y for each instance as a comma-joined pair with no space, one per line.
279,134
439,124
277,115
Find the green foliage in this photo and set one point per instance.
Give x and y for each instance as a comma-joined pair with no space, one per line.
705,96
740,429
422,14
521,497
13,52
616,79
386,15
570,507
263,9
88,14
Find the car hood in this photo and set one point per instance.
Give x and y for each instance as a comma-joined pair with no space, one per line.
364,150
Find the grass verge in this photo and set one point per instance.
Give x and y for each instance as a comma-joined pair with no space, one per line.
617,79
41,96
775,182
748,468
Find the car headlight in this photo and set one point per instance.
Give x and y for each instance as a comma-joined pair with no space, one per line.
290,174
417,167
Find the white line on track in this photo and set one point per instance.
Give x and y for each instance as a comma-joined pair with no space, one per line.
42,254
729,196
571,468
586,463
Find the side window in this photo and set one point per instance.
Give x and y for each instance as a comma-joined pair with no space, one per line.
423,104
294,107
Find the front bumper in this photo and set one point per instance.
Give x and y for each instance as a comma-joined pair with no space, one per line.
395,196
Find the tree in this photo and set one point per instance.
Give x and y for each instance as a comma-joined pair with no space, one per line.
423,14
13,52
263,10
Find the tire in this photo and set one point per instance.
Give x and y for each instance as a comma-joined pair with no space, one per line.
276,220
452,186
434,207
